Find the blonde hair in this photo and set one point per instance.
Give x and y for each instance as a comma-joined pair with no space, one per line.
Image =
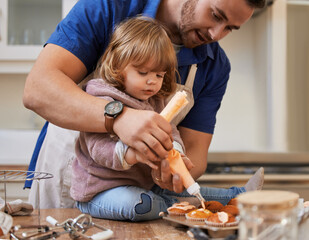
138,40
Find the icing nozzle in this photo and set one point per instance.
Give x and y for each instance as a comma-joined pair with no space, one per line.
194,189
202,200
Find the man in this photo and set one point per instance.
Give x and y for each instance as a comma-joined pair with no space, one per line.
73,50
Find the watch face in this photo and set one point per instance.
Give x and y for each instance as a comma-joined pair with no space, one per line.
113,108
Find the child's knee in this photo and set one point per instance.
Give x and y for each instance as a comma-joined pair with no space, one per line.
145,204
146,209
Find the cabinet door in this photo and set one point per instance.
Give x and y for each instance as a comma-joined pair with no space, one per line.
3,22
25,25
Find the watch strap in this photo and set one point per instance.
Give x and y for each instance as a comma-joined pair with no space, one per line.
109,124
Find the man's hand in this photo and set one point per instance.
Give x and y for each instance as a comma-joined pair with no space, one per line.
145,131
166,180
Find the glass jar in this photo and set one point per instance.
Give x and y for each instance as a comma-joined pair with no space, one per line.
268,215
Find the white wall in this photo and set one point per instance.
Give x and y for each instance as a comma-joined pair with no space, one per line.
266,104
241,121
18,125
16,146
12,111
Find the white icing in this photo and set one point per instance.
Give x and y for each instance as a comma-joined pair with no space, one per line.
223,217
182,205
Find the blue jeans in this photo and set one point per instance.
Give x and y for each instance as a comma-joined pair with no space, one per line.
137,204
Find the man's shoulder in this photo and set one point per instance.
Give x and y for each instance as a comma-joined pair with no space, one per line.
117,7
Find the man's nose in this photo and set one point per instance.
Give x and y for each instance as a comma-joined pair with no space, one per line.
216,32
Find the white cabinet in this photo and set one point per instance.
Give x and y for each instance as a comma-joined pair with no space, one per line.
298,74
25,25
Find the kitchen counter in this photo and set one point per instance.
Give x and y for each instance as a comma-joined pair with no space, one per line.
258,157
283,171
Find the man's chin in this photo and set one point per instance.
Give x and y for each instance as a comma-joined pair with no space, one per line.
193,44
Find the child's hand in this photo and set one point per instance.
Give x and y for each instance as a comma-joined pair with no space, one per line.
132,157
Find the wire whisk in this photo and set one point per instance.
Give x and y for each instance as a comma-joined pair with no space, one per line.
76,228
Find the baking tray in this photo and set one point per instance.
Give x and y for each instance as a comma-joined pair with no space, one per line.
214,232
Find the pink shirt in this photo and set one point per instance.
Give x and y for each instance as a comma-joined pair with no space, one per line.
97,167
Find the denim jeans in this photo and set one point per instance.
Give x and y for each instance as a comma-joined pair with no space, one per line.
137,204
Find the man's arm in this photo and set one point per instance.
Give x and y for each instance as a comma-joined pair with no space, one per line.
197,145
51,91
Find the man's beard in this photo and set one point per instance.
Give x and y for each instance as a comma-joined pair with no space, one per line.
187,14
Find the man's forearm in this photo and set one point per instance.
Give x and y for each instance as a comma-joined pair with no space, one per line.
197,145
66,105
51,91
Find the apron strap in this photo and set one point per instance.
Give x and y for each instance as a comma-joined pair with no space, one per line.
191,76
188,88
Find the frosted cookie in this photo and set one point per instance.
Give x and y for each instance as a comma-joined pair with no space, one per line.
180,208
198,214
221,219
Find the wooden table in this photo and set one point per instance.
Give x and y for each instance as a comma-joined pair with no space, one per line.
157,229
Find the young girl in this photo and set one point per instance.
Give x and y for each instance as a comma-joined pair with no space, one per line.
109,179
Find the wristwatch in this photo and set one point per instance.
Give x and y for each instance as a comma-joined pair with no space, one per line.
112,110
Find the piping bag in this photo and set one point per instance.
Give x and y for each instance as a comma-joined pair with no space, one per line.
174,106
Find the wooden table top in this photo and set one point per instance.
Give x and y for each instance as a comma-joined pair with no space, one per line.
156,229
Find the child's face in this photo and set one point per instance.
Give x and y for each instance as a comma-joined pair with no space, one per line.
142,83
